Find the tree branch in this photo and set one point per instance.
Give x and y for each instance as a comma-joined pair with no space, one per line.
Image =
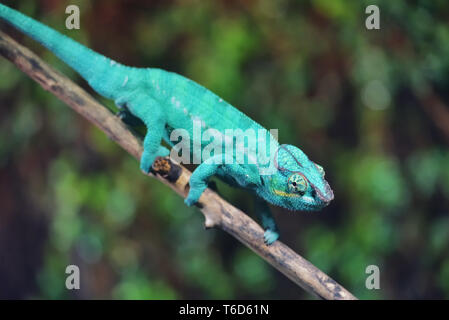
217,212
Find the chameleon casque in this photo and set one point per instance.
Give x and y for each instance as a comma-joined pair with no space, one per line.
165,101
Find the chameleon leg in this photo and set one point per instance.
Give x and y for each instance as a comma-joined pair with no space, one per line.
152,146
268,223
199,178
198,182
150,112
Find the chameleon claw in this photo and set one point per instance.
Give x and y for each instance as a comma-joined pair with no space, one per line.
270,236
147,159
193,196
145,163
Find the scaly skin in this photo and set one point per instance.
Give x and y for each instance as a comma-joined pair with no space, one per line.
165,101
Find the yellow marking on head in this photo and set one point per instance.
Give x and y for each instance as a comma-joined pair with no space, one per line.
285,194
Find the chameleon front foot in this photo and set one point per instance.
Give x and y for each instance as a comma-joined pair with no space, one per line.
147,159
270,236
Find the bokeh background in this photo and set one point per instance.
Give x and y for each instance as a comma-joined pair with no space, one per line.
370,106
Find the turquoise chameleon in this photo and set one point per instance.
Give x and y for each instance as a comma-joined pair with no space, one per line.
165,101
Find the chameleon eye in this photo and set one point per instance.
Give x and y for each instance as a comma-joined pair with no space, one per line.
297,183
320,169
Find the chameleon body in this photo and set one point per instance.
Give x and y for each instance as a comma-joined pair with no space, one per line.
165,101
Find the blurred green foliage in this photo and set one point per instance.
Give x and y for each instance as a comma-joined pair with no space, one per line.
358,102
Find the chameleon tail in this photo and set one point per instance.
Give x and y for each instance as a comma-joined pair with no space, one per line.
105,76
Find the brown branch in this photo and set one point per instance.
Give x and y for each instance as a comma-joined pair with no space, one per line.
217,212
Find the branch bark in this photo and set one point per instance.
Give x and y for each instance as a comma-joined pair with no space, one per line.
217,212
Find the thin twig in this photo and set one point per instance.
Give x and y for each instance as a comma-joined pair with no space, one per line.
217,212
435,107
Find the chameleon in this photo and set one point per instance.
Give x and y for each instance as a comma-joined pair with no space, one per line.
166,101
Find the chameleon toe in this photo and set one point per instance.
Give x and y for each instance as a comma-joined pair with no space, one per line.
192,198
146,161
270,236
145,166
189,202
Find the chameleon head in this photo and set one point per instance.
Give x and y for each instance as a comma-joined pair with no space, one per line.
298,183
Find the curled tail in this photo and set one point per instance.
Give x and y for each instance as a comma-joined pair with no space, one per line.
103,74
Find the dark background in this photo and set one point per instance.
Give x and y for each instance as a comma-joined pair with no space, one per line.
370,106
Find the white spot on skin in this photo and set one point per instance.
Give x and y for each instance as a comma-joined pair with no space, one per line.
125,81
113,63
178,104
221,100
185,111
